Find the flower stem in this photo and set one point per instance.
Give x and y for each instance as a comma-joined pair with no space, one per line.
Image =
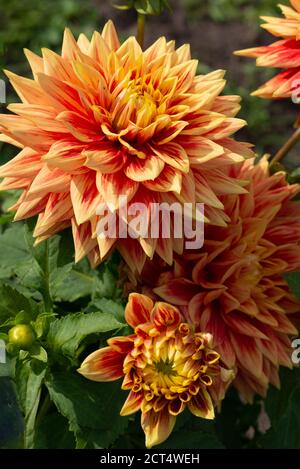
140,29
284,150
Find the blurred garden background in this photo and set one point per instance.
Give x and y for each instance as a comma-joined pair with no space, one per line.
214,28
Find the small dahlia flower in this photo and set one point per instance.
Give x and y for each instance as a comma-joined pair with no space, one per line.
283,54
233,287
165,365
104,120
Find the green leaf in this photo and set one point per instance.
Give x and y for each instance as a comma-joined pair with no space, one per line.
191,432
108,306
75,285
53,433
12,302
11,422
13,250
283,408
38,352
66,334
91,408
83,281
293,280
29,378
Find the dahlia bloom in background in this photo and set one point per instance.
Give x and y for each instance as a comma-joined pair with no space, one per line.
166,366
103,120
233,288
281,54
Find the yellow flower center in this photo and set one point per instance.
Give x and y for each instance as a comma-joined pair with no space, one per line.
174,364
165,367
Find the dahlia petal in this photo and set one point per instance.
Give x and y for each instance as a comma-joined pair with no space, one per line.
112,186
47,232
28,90
88,76
62,95
26,133
6,139
204,193
201,405
157,426
10,183
173,155
65,154
98,50
35,61
178,291
94,258
56,66
169,180
237,323
188,189
105,364
106,159
49,180
132,403
85,196
164,248
105,245
43,116
79,126
228,105
83,43
110,36
133,254
165,315
203,123
170,132
143,170
200,149
138,309
69,46
83,241
121,344
26,164
58,209
27,209
248,354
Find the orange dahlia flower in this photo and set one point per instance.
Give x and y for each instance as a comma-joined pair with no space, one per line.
166,366
233,288
281,54
103,120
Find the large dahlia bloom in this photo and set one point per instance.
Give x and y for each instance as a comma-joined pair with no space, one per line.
165,365
103,120
283,54
233,288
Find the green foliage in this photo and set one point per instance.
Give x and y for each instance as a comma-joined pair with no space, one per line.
92,409
11,424
39,286
283,408
293,279
228,10
29,379
66,334
145,7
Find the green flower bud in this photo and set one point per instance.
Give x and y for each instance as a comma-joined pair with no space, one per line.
21,336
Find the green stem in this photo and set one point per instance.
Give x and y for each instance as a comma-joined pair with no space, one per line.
140,29
43,410
285,149
47,295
